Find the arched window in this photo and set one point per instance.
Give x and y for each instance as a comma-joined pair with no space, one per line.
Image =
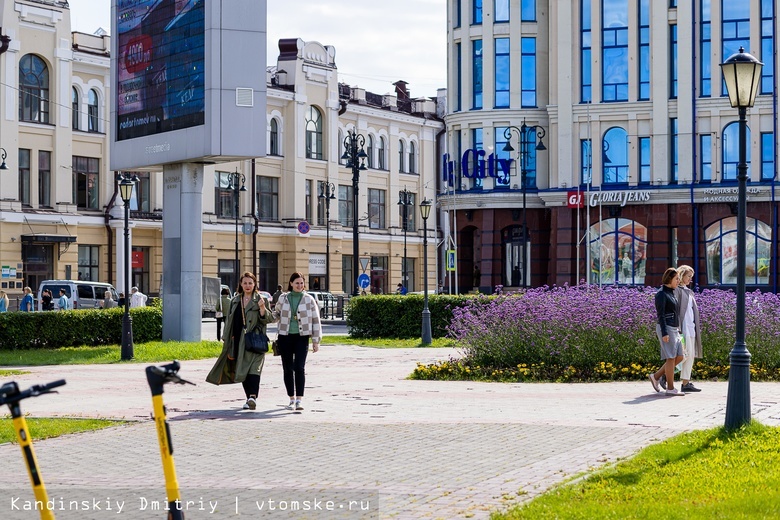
412,158
273,143
721,243
401,153
731,151
313,134
381,154
33,89
618,252
370,151
74,108
92,111
614,166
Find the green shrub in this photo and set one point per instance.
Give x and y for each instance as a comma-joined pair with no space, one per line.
24,330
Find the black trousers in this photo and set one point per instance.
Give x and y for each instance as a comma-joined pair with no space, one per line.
251,385
293,349
219,328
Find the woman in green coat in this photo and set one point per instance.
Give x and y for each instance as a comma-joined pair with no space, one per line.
248,311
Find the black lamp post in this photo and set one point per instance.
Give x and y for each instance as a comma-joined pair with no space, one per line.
355,157
237,184
327,194
3,154
524,142
425,212
742,74
126,183
405,200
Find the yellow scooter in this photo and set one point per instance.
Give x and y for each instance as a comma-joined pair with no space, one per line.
157,377
10,395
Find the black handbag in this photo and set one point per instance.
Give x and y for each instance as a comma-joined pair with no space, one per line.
255,341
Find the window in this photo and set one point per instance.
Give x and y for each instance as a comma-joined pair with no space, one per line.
140,275
379,274
89,263
476,74
705,60
321,203
644,49
721,246
528,159
614,34
74,108
228,273
767,44
380,154
585,161
141,198
86,172
407,267
476,144
516,253
273,138
705,156
586,86
341,148
370,151
92,111
528,77
411,213
501,82
502,178
268,198
476,12
225,204
457,21
412,158
268,271
618,252
673,62
731,151
307,201
346,205
674,150
501,10
313,134
458,79
44,178
735,28
615,156
767,156
528,10
348,280
24,176
33,89
401,158
376,209
645,174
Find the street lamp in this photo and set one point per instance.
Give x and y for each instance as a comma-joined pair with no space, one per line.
525,142
327,194
237,179
405,200
3,154
742,74
425,212
126,183
355,157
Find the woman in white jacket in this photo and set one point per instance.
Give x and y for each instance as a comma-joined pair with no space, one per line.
299,320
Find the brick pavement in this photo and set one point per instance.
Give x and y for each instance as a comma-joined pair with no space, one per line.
407,449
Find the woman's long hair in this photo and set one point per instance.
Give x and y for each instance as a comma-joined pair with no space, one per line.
294,277
247,274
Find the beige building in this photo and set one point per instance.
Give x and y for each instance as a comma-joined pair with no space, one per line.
60,211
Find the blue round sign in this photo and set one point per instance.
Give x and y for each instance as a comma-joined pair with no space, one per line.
364,281
303,227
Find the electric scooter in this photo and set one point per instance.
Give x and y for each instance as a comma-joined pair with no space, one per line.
10,395
157,377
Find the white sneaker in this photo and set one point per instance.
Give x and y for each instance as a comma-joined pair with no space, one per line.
250,404
246,405
291,406
654,382
674,391
298,406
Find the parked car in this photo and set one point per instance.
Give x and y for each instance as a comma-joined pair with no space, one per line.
326,302
82,294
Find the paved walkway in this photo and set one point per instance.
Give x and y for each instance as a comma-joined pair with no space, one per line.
369,438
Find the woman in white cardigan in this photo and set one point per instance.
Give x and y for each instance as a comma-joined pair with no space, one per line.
299,320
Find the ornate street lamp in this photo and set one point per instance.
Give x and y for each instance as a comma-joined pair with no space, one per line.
405,201
355,157
327,194
742,74
526,136
3,154
237,184
126,184
425,212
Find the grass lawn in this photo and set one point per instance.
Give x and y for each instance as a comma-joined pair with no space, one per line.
698,475
47,428
152,352
8,373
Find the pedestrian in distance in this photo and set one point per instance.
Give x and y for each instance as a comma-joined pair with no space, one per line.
137,298
63,303
248,311
121,300
108,302
223,307
27,303
690,324
275,296
667,330
400,289
299,321
47,301
3,302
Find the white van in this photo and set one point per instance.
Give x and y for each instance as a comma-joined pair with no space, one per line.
82,294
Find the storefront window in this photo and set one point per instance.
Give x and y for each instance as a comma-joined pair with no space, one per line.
618,252
721,243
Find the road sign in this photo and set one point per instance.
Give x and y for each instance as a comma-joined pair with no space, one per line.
450,260
364,281
364,263
303,227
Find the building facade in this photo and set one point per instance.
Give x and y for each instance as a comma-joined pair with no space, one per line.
60,211
638,83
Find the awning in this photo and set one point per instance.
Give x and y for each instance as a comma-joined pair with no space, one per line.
48,238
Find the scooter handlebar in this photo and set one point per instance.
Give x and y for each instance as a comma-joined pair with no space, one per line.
9,392
169,373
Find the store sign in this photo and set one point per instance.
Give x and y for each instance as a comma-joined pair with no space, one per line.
138,259
621,197
317,264
731,194
575,199
474,166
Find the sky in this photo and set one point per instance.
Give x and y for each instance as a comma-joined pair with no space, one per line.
377,43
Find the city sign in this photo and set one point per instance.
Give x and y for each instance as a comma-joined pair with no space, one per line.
495,166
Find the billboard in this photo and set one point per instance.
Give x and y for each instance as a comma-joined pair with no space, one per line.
188,80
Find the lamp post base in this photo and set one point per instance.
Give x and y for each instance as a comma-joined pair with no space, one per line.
738,398
426,327
127,338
